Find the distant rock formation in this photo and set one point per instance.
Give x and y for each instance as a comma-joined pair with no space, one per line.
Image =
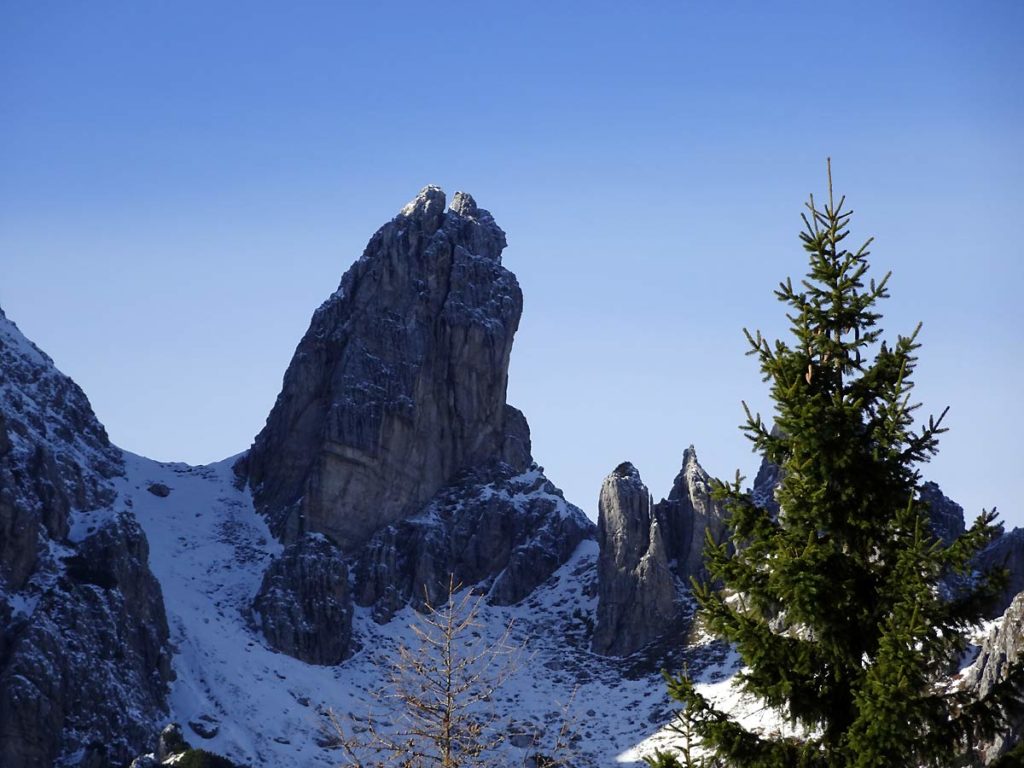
1007,552
399,383
947,517
648,554
84,657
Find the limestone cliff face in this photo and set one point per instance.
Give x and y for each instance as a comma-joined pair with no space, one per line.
636,588
400,381
648,554
84,657
392,438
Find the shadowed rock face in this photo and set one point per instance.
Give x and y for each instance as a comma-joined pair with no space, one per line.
303,606
84,657
648,554
400,381
1007,552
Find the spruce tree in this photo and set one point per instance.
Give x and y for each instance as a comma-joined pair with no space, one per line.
841,605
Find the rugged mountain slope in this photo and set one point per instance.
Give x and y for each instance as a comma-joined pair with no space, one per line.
84,661
290,574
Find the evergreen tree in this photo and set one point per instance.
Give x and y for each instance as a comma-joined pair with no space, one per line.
840,605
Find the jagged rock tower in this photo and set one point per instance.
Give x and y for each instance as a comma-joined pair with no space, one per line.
648,554
400,381
392,438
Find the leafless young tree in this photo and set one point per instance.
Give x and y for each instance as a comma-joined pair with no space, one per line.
436,706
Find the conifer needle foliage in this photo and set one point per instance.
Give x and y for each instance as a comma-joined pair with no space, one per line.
848,615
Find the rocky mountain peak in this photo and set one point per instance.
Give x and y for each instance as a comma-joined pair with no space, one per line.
427,206
399,383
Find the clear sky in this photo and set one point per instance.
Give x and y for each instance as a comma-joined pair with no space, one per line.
182,183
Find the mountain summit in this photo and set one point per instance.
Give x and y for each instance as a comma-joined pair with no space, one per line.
399,383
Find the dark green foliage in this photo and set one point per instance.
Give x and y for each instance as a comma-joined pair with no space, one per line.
662,760
835,605
200,758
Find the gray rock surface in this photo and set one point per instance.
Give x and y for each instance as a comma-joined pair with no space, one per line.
687,515
649,553
86,674
1001,650
1007,552
304,606
399,383
84,658
637,597
54,455
502,531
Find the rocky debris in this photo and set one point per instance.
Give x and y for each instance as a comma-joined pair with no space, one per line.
84,658
504,532
1007,552
159,489
649,552
1001,651
304,607
399,383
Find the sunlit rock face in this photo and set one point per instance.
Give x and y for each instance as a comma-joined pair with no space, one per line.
400,381
1000,652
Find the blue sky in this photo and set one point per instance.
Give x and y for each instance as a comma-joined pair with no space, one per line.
181,184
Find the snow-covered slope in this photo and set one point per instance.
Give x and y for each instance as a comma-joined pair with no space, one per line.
209,550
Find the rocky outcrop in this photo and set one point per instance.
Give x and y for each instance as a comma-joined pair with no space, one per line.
399,383
1007,552
304,606
1001,652
947,517
84,658
502,531
87,673
54,455
687,515
649,554
637,589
